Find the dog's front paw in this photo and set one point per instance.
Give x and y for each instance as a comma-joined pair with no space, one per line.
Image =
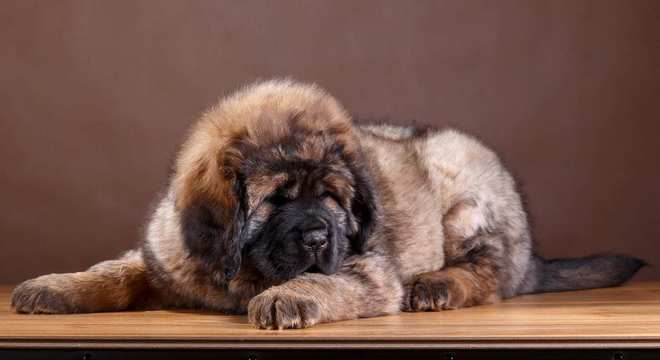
278,308
42,296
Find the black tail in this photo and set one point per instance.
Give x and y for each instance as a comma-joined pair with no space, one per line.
583,273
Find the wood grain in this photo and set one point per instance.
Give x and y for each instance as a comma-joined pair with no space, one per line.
618,317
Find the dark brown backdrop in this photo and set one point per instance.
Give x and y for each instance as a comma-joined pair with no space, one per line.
95,97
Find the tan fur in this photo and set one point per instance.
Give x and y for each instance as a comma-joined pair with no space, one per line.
451,228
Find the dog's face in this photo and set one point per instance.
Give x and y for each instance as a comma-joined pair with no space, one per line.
283,194
300,211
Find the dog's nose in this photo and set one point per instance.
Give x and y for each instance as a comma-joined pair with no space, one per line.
315,240
314,235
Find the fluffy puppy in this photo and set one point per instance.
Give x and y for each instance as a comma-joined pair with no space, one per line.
281,207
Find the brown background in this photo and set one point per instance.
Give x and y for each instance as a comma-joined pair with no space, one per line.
95,97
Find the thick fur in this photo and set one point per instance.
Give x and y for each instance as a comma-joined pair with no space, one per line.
281,207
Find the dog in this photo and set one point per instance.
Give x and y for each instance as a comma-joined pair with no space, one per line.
281,207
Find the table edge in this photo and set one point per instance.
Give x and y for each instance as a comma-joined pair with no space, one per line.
330,344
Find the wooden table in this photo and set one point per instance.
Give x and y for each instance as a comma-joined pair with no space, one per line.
616,323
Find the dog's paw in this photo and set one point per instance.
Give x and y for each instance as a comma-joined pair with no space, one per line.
278,308
42,296
429,292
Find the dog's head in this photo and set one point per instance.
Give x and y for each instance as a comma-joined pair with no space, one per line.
274,176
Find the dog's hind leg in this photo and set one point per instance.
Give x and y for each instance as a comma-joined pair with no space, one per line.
474,270
456,286
111,285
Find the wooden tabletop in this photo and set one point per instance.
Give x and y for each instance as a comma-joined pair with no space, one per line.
624,317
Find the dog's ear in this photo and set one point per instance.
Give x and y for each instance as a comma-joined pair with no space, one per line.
212,234
364,206
210,201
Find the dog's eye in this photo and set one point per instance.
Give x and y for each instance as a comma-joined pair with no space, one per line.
278,199
327,194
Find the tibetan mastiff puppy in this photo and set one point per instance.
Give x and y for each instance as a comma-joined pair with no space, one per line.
282,208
